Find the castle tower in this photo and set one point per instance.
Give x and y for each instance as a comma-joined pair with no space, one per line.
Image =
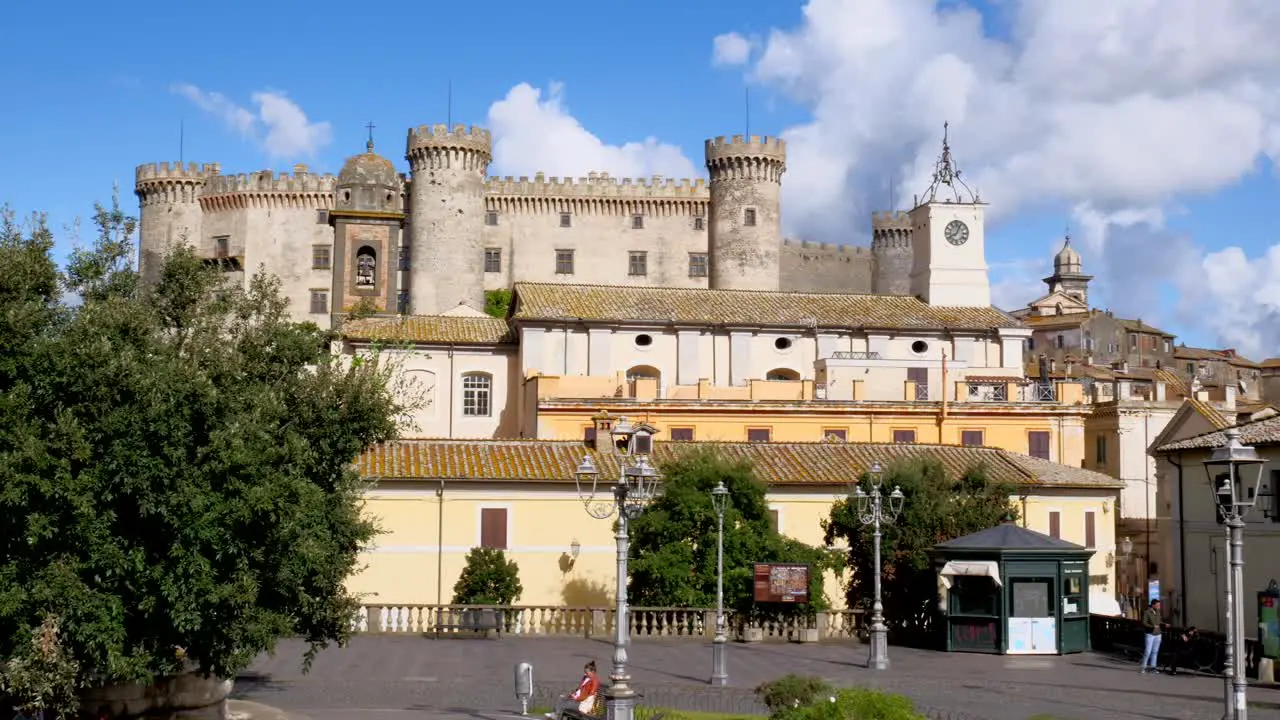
446,217
948,243
169,210
746,220
1068,276
891,252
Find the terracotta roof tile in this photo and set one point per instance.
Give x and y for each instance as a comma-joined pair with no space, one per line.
1183,352
546,301
432,329
816,463
1258,432
1139,326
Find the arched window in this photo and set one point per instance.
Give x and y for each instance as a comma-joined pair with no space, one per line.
1058,308
782,374
477,394
366,266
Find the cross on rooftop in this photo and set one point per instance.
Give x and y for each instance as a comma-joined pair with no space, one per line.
370,126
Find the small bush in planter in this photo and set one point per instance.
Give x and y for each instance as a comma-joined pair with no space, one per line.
791,692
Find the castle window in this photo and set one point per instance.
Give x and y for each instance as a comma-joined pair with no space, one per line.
322,217
971,438
493,260
476,389
564,262
904,436
681,434
1057,309
402,302
835,434
366,266
637,222
637,263
919,347
491,218
699,224
320,257
221,246
759,434
1133,341
1058,341
403,259
319,302
782,343
749,217
565,220
644,340
697,264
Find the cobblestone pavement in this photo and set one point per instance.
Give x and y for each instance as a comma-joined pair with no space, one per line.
392,677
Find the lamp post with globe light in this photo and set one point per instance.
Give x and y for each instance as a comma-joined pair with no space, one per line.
719,672
636,486
1235,471
873,511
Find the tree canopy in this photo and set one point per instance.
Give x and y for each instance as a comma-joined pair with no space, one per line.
937,508
175,465
673,543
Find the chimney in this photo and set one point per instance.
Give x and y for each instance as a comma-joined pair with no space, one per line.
1124,389
1229,398
603,432
1161,394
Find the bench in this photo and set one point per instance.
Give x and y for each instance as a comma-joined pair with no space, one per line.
478,621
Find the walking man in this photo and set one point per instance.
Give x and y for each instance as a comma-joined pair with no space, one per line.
1152,627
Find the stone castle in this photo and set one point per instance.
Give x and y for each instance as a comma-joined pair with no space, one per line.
438,238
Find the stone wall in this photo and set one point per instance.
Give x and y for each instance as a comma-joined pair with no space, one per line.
823,267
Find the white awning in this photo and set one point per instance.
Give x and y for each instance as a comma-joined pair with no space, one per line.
969,568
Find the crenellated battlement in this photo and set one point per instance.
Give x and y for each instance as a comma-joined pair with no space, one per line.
739,146
810,247
459,137
301,189
176,171
896,220
599,185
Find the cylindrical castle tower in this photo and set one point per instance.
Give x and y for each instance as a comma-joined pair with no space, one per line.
446,217
169,210
746,219
891,249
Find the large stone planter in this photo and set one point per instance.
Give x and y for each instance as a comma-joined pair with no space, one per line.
805,635
188,696
752,635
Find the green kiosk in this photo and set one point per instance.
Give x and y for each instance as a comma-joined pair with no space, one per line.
1010,590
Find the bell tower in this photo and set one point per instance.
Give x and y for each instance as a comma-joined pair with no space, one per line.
949,263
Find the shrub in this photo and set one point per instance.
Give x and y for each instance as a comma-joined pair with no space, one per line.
791,692
489,578
858,704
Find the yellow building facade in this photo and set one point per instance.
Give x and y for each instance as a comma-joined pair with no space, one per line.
435,500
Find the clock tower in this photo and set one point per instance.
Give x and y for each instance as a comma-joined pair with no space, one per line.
948,243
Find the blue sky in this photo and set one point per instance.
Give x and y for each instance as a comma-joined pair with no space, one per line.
1150,141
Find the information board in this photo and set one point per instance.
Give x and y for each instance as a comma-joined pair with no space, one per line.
781,583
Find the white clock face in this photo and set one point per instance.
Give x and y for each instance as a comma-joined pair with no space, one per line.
956,233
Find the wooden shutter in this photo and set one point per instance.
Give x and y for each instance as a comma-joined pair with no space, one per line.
493,528
1090,529
1038,444
971,437
1055,524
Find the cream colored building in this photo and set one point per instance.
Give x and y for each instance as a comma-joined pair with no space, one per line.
1195,554
437,499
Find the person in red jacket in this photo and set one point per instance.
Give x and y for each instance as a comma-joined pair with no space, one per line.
582,699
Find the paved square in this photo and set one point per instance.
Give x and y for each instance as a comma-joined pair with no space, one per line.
414,677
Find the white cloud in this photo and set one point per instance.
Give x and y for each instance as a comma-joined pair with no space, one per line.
730,49
532,134
278,124
1116,108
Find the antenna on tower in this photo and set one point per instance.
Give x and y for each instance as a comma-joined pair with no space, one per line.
449,113
182,140
747,113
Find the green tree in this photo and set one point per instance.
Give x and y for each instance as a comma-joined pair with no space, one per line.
488,578
673,542
498,302
937,508
175,467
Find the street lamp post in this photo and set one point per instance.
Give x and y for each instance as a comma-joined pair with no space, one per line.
1234,494
873,511
719,672
637,485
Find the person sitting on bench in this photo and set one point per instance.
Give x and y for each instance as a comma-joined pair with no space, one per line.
583,699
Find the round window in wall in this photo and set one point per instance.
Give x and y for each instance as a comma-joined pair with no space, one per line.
919,347
782,343
644,340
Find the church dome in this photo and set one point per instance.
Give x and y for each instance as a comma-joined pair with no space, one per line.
368,168
1067,260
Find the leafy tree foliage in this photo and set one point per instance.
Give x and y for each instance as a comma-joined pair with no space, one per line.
488,578
937,508
498,302
175,466
673,543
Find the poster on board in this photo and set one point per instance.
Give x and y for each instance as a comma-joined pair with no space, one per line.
781,583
